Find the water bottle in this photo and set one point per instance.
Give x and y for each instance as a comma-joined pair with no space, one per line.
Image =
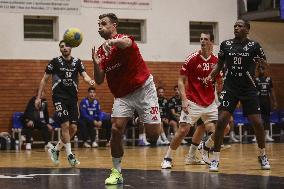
75,141
17,145
8,143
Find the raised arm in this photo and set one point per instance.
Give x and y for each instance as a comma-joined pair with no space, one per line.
99,74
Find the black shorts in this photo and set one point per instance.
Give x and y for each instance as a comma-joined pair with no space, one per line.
230,98
66,110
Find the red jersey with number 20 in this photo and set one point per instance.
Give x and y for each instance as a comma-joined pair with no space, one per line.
197,68
125,69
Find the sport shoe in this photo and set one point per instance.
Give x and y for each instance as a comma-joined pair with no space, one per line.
48,146
205,154
114,178
86,145
54,155
254,139
141,143
193,160
94,144
28,146
268,138
264,163
214,166
233,140
167,163
72,160
167,142
183,141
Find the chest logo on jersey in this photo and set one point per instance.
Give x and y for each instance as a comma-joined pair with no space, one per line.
113,67
238,54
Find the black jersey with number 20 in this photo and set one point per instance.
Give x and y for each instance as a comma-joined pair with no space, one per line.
239,59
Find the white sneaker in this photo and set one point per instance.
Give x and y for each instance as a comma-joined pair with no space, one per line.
160,142
254,139
233,140
146,143
86,145
183,141
264,163
166,142
268,138
166,163
193,160
48,145
214,166
94,144
28,146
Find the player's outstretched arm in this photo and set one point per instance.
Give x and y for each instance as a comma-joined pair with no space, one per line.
88,79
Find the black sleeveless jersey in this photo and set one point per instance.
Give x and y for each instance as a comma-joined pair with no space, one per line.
239,59
65,77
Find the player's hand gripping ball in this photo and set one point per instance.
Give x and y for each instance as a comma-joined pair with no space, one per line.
73,37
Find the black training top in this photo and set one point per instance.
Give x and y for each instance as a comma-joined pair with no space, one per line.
239,59
264,86
65,77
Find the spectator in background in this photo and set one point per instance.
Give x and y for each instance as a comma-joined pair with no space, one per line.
90,118
175,111
37,119
164,112
267,99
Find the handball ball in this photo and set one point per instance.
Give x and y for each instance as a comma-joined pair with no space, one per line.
73,37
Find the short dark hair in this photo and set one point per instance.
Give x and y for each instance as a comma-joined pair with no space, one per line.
160,88
211,35
62,41
246,23
91,89
113,18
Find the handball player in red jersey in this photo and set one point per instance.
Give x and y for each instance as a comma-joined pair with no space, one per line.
119,60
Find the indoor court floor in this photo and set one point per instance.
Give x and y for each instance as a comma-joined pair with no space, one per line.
141,169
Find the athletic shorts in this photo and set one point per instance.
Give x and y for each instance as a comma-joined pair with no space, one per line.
66,110
207,114
144,100
229,100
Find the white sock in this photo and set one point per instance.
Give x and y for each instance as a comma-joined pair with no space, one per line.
163,135
68,148
216,156
192,150
169,153
141,136
261,151
144,137
117,163
209,143
59,145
